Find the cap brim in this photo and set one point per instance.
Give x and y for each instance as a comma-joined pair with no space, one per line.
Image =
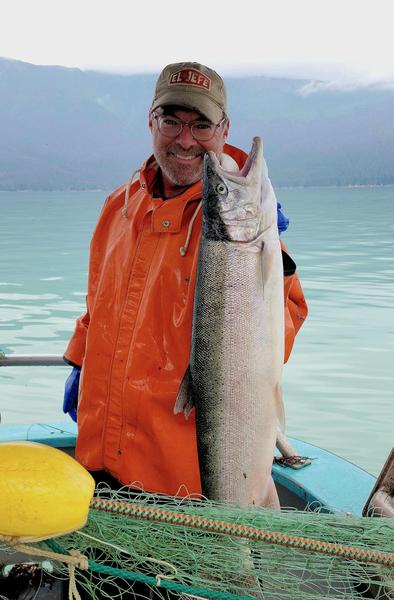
190,99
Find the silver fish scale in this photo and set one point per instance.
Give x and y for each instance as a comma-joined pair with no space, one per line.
231,384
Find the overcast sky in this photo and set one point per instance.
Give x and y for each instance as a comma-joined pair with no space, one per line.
332,39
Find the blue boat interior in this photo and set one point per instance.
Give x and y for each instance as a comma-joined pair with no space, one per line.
330,483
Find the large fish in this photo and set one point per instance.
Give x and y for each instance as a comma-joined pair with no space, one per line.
236,360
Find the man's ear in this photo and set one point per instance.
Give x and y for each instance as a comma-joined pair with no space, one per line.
150,119
226,129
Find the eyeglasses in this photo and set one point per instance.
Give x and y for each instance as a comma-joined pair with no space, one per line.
171,127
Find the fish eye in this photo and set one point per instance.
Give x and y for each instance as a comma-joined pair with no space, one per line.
221,188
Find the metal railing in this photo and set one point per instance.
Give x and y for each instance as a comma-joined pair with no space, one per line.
31,360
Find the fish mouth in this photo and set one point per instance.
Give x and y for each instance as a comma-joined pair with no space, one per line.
252,164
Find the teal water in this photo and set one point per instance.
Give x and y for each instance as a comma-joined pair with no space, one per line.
339,382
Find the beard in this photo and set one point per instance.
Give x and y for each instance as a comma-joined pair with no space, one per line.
180,174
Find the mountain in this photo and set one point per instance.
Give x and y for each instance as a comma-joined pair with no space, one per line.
64,128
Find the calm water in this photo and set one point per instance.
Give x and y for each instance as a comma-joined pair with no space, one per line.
339,382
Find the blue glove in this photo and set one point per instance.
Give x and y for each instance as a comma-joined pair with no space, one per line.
283,222
70,402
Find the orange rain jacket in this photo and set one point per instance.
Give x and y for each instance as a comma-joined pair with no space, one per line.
134,340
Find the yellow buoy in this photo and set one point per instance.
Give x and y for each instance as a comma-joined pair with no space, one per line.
43,491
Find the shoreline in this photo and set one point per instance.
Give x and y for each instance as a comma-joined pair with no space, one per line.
276,187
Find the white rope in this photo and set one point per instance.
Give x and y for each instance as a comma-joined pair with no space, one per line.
73,560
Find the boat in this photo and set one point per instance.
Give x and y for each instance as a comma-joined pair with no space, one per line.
327,482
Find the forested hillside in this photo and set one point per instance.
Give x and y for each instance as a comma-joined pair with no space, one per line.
65,128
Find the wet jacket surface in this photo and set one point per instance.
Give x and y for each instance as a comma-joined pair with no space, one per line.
133,342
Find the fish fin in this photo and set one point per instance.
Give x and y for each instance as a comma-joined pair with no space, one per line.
184,400
283,444
280,409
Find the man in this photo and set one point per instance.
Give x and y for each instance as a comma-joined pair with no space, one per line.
133,342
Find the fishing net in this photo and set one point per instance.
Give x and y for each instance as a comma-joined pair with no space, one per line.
148,546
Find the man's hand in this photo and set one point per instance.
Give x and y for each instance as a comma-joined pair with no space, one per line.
70,402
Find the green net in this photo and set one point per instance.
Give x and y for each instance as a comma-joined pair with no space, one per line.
221,551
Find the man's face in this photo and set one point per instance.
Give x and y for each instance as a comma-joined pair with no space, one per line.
181,158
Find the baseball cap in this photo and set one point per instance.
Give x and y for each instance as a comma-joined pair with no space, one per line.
194,86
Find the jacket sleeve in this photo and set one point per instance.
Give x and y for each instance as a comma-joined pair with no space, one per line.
296,309
75,350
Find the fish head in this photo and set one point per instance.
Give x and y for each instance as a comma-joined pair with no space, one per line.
235,206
